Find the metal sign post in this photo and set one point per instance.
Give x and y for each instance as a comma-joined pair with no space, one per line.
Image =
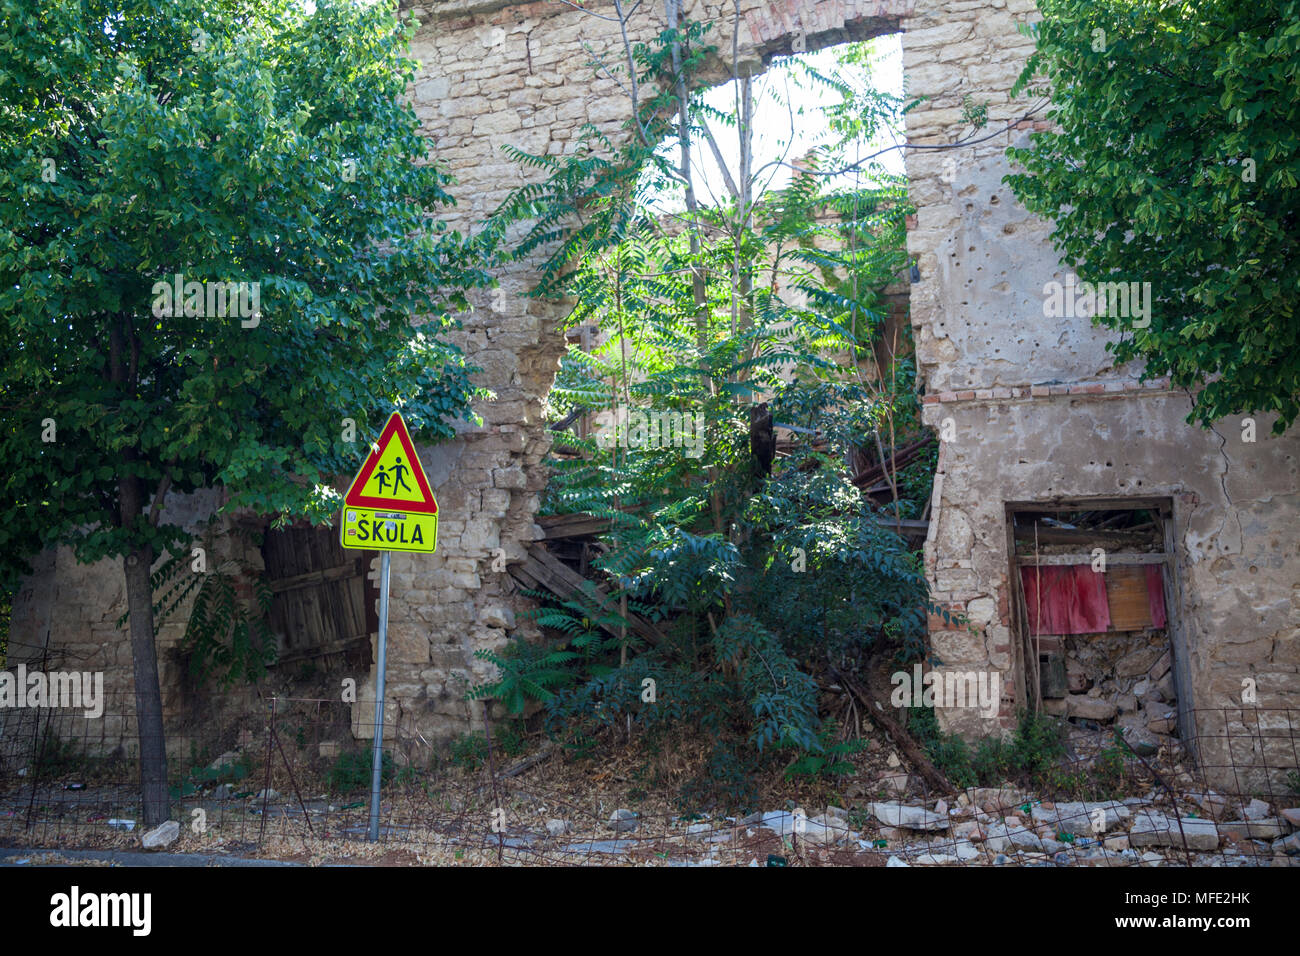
377,768
388,507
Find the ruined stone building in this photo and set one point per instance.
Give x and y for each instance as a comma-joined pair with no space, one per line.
1045,444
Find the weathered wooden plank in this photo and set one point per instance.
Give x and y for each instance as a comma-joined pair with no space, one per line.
542,569
1044,560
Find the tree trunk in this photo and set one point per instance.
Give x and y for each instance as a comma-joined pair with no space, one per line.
148,696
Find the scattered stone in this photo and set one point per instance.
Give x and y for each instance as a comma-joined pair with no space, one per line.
600,846
1152,859
1136,733
895,782
753,819
1163,725
895,861
227,759
1212,804
623,821
1161,667
698,831
1137,662
1079,817
914,818
558,827
934,859
1292,816
837,813
267,794
996,800
1089,708
1290,845
1025,839
1152,828
1255,810
1126,703
1239,830
223,792
893,762
164,834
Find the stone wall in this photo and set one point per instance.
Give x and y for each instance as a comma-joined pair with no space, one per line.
1037,408
1036,412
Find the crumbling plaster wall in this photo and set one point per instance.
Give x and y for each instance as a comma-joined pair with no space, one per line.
1035,410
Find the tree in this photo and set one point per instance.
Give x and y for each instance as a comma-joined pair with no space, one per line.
1175,161
758,295
261,160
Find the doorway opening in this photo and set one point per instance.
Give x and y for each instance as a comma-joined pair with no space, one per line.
1094,593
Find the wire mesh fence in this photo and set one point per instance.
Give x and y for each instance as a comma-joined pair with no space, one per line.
291,780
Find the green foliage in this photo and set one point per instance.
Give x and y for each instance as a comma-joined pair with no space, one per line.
1033,751
1034,755
201,776
353,770
830,760
527,671
214,140
1176,161
470,751
758,582
56,757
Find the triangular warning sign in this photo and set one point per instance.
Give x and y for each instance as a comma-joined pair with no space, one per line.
392,476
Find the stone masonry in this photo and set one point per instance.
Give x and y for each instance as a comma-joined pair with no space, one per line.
1038,410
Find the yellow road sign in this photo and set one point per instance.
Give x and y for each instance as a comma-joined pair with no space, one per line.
377,530
392,478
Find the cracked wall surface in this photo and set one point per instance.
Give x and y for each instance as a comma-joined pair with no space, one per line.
1037,412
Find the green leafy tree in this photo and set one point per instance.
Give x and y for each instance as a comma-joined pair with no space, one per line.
1176,161
761,298
224,141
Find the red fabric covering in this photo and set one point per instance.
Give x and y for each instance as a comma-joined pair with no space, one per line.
1156,595
1072,598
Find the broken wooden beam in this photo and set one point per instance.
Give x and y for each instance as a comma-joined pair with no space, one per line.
571,525
541,569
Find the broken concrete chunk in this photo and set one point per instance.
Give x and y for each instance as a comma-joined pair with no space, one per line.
1255,810
1153,828
1080,817
1089,708
164,834
622,821
1239,830
913,818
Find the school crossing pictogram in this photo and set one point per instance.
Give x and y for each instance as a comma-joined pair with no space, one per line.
392,477
390,506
